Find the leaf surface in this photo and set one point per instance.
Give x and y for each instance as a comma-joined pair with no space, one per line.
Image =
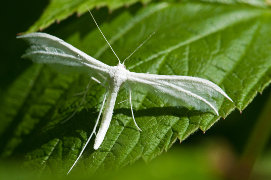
57,10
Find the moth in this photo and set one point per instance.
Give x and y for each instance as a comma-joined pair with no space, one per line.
201,94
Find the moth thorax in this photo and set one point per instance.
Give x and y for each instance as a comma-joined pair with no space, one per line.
118,74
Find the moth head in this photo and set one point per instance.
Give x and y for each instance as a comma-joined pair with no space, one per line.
121,65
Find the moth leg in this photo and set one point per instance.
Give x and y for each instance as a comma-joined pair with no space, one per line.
80,104
90,136
97,81
123,101
79,93
130,98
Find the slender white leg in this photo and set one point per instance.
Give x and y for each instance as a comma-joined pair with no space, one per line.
80,104
130,98
99,82
123,101
90,136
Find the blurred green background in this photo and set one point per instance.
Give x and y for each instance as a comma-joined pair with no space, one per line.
217,154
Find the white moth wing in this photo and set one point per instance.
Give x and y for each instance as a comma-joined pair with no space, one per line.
48,49
187,91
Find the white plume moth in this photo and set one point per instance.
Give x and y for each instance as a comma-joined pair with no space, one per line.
189,91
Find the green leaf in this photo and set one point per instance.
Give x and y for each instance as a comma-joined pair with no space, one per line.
228,44
57,10
163,167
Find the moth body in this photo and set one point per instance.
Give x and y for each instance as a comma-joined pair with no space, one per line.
118,75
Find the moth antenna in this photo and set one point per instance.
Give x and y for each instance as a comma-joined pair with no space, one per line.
139,47
90,136
103,35
130,98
